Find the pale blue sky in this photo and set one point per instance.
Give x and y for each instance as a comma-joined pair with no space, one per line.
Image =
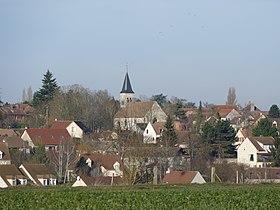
193,49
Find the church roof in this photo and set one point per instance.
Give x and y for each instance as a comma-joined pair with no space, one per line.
127,88
135,110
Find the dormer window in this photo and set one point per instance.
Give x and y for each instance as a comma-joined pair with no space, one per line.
1,155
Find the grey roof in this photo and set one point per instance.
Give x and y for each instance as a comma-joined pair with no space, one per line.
127,88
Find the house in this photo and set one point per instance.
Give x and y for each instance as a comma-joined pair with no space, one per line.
38,174
227,112
183,177
262,175
16,112
134,113
5,158
153,132
110,165
16,143
11,176
48,137
86,181
242,134
7,133
76,129
255,151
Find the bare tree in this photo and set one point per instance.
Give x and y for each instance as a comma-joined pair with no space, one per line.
29,94
231,98
24,96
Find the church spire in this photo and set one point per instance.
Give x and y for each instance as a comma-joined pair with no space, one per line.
127,88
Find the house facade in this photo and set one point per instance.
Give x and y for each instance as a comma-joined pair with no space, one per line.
255,151
10,176
5,158
76,129
153,132
38,174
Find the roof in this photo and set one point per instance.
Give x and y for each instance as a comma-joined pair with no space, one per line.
48,136
105,160
37,171
15,142
101,180
9,171
7,132
135,110
256,145
179,177
4,148
158,127
127,88
264,140
63,124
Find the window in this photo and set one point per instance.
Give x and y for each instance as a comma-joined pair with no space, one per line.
45,182
147,131
14,182
251,157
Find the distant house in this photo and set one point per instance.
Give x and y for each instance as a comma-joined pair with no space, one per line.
85,181
227,112
50,138
153,132
76,129
242,134
255,151
134,113
16,143
16,112
262,175
7,133
110,165
5,158
38,174
10,176
183,177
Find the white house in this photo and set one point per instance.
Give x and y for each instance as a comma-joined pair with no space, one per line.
255,151
5,158
242,134
153,132
76,129
110,165
10,176
183,177
48,137
38,174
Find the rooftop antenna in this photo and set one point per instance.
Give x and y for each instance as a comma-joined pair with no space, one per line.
126,66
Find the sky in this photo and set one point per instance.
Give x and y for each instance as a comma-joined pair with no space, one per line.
192,49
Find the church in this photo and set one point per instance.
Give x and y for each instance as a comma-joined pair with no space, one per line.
135,115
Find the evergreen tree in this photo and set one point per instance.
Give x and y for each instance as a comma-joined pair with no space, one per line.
265,128
180,113
47,91
169,134
160,99
274,111
220,135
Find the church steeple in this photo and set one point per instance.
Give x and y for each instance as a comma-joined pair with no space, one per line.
127,88
127,94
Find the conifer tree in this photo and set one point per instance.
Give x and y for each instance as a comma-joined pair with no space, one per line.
47,91
169,134
274,111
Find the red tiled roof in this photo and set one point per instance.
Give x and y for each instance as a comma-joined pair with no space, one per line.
48,136
179,177
101,180
7,171
61,124
105,160
158,127
7,132
15,142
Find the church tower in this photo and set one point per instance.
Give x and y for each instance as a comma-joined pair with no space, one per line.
127,94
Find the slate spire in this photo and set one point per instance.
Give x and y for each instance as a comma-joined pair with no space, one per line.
127,88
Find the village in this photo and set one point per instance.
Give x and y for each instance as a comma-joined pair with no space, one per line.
76,137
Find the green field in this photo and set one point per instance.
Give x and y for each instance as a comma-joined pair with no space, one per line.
144,197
